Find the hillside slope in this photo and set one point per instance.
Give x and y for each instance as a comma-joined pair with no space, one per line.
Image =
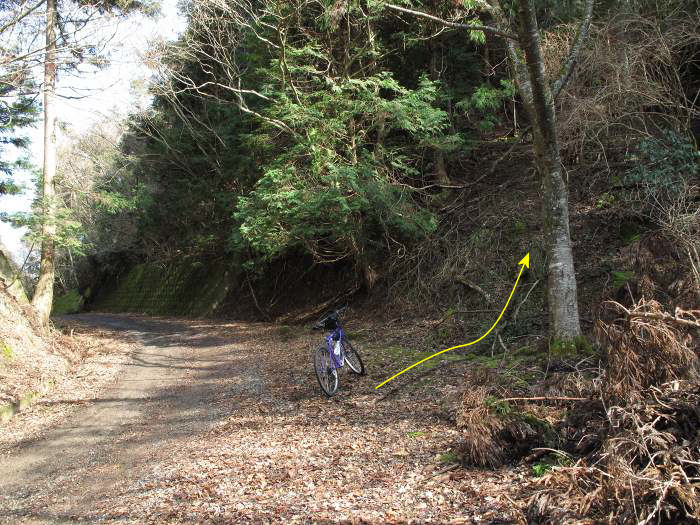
29,357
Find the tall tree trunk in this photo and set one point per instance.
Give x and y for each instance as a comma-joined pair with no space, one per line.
561,293
439,167
43,295
538,100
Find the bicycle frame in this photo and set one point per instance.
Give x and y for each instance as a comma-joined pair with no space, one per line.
338,334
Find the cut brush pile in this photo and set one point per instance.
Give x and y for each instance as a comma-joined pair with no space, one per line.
645,466
636,436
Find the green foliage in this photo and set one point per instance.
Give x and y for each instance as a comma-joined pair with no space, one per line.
21,113
620,278
485,103
540,469
335,214
663,165
498,406
69,303
320,154
69,233
415,434
550,461
331,192
629,232
605,200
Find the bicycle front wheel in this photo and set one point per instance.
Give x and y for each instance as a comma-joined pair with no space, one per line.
325,373
353,359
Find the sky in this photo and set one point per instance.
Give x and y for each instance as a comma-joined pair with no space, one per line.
112,92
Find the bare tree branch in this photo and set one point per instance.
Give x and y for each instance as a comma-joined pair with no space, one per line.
570,64
18,18
486,29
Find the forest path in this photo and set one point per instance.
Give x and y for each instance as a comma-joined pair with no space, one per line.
168,391
225,423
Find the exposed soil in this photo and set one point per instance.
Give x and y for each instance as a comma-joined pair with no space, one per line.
225,423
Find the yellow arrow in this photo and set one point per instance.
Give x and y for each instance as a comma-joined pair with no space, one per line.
525,261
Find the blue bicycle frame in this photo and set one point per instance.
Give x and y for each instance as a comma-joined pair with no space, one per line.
336,335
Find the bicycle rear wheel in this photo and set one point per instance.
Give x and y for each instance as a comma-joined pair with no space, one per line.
325,373
353,359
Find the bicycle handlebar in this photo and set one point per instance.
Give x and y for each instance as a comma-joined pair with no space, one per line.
332,315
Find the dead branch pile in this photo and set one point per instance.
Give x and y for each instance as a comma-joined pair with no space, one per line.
491,432
644,348
647,468
497,428
644,463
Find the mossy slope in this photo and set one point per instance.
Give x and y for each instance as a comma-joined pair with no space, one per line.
188,288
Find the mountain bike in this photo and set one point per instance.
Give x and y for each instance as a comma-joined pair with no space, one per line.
337,351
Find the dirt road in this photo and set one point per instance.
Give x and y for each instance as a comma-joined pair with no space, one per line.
165,393
224,423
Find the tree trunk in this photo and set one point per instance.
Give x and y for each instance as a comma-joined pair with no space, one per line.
43,295
561,294
439,168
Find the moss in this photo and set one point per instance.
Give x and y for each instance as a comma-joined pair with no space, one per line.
580,346
356,336
400,351
491,361
285,332
529,351
519,227
449,457
562,348
69,303
541,426
188,288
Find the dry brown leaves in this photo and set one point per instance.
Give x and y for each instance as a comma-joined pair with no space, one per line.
288,454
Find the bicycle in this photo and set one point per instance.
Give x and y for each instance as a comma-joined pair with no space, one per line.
337,351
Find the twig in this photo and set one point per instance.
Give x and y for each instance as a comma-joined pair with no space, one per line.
515,312
21,269
265,315
500,159
535,455
443,470
447,316
657,507
545,449
652,315
324,306
505,348
475,287
570,63
665,317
